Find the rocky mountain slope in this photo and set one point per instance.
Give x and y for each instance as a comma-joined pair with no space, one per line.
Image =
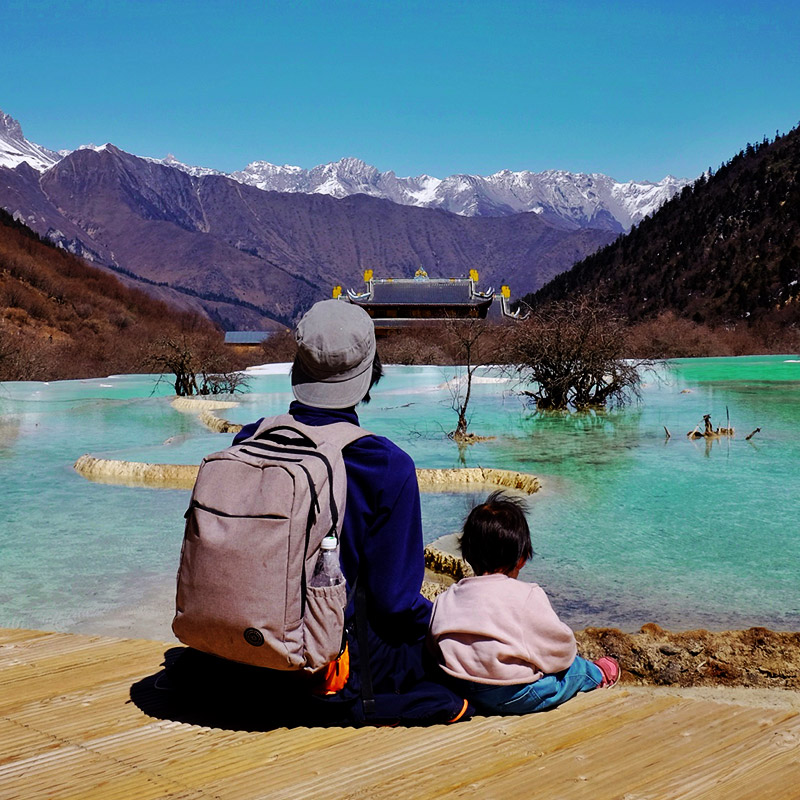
63,318
577,199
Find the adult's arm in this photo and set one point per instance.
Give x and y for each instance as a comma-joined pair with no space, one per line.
392,560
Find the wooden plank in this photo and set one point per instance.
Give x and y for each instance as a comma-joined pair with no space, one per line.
85,714
12,635
37,667
74,773
20,741
653,759
68,729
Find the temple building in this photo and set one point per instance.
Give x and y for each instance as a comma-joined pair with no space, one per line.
402,302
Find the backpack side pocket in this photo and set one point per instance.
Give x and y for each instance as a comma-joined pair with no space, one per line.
324,624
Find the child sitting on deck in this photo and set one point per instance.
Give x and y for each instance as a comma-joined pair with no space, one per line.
499,637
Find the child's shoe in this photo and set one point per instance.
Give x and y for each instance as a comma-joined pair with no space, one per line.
610,669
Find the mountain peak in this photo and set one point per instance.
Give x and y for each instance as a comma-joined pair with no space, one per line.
575,198
10,126
16,149
581,199
352,163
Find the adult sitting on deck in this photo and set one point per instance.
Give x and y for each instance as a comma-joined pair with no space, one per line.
381,542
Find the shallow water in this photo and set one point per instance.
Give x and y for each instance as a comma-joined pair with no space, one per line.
630,527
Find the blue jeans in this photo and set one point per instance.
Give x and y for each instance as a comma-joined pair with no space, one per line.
524,698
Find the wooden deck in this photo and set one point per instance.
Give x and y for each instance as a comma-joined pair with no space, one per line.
79,719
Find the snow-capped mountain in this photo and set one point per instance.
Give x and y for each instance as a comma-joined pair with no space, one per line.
15,148
340,179
171,161
574,200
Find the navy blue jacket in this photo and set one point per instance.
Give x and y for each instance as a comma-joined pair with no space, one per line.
381,535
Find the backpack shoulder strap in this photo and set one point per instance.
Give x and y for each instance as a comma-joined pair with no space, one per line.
342,434
337,434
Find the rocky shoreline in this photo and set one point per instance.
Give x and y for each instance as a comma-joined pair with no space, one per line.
753,658
750,660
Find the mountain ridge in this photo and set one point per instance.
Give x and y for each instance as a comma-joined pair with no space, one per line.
578,199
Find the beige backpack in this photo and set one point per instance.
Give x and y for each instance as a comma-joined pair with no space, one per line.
258,513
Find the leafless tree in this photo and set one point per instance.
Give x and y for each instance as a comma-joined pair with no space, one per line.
571,354
198,364
23,357
225,382
471,342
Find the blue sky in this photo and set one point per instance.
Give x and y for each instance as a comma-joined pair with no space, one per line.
635,90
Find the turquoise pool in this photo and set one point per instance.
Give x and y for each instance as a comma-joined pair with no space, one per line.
630,527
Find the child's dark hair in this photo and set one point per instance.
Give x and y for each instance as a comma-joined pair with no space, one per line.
496,535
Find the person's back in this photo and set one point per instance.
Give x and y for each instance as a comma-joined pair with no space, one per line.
498,638
381,539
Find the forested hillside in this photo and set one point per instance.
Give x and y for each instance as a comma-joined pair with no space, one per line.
62,318
724,252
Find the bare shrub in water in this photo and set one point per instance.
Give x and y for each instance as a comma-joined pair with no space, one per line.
463,343
572,354
470,340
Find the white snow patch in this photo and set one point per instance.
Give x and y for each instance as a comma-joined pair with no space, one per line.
282,368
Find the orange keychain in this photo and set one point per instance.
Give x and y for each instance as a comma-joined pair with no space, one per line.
334,676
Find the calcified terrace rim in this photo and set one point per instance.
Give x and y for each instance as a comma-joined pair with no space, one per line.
182,476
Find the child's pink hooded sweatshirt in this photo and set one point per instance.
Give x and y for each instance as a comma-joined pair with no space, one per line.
499,630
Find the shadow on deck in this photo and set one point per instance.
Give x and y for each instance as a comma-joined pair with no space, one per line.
80,717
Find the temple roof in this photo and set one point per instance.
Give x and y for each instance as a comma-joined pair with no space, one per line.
407,291
400,302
